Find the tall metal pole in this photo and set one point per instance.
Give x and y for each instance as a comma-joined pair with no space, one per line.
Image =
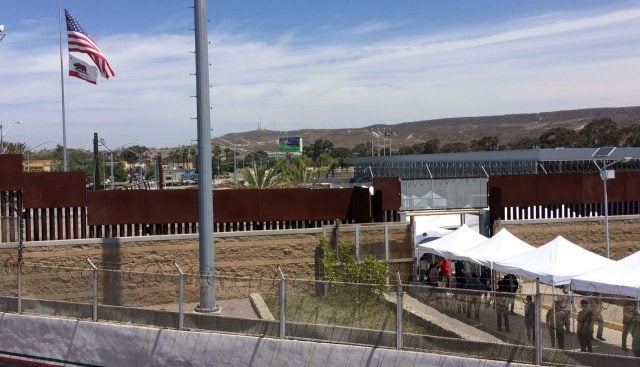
603,175
538,320
205,187
96,158
235,166
65,165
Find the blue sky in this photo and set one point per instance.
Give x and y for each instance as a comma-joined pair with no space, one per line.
313,64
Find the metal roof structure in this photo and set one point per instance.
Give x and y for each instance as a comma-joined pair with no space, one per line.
485,164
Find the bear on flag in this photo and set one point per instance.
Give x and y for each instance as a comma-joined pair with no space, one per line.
82,70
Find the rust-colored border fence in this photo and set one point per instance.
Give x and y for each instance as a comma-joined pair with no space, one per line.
58,206
570,195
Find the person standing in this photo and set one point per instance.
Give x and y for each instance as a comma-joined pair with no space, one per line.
596,307
585,327
635,334
628,311
445,271
567,307
502,306
555,322
432,275
485,279
476,288
511,282
461,283
530,317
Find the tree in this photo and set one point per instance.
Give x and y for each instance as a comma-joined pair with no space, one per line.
523,143
362,150
319,147
484,144
428,147
340,153
558,137
134,153
455,147
344,267
296,172
630,136
261,177
602,132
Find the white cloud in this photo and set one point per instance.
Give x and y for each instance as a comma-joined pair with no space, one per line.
373,26
551,62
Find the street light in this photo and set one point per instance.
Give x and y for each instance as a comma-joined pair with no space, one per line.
235,162
602,155
2,34
2,134
28,150
110,151
139,154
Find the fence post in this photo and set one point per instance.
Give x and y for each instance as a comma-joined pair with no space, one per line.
180,298
94,316
19,286
21,215
538,317
386,241
357,242
399,308
283,304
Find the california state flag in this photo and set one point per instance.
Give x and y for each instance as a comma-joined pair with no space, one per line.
82,70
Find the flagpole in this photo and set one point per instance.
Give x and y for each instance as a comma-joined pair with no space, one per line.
65,166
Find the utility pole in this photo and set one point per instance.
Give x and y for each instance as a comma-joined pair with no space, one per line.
205,187
96,159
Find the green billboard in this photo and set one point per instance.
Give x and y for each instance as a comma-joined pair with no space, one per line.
290,144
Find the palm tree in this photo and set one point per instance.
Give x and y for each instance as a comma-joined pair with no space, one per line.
297,173
262,177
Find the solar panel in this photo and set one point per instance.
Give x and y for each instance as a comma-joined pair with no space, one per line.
603,152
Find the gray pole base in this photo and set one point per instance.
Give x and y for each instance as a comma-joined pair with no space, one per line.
215,309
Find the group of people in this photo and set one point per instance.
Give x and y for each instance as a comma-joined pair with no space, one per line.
591,313
558,320
440,273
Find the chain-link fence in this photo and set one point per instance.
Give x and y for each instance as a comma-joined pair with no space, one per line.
542,324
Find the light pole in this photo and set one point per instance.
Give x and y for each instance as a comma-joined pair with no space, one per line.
2,34
31,149
602,155
235,161
110,151
139,154
3,133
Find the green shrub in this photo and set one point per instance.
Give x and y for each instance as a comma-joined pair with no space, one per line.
344,267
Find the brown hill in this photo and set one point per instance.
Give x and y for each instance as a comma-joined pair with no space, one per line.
459,129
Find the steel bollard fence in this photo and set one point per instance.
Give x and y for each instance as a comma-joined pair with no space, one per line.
283,304
180,298
399,308
95,290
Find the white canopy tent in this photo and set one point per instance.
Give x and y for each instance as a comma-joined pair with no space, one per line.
455,243
427,231
501,246
554,263
620,278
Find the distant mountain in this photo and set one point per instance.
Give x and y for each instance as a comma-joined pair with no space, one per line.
458,129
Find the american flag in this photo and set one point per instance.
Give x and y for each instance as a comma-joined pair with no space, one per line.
79,41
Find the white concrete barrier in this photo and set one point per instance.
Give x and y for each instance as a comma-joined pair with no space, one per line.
85,342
